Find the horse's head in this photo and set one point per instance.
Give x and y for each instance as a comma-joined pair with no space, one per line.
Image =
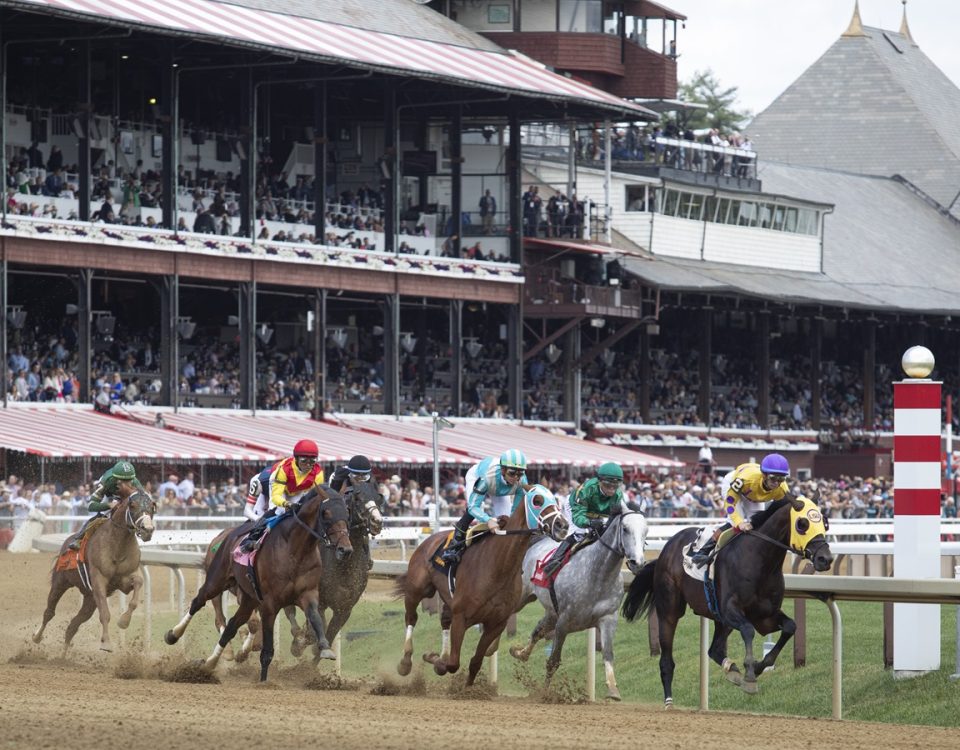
138,515
633,530
334,517
543,512
808,531
364,511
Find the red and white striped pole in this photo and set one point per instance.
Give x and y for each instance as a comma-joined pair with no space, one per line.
916,525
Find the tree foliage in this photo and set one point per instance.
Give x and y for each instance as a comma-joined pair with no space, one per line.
721,104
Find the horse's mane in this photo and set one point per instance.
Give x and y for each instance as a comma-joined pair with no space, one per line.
762,516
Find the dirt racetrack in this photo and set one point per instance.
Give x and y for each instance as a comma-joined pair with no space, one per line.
79,703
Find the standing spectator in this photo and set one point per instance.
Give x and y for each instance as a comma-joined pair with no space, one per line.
488,209
186,488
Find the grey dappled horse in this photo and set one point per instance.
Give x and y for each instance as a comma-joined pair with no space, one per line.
588,590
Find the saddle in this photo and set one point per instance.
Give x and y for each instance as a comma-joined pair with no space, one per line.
475,535
72,559
543,579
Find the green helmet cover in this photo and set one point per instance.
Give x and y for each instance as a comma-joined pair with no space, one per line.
610,470
123,470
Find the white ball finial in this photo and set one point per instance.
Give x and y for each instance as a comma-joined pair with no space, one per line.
918,362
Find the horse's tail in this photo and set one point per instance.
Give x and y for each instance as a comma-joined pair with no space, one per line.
400,587
639,598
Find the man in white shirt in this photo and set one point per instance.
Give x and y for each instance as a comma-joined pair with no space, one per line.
186,488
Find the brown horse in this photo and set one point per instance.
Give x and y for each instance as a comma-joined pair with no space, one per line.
487,587
112,562
287,567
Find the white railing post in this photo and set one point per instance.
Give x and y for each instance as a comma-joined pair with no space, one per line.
704,664
591,664
956,662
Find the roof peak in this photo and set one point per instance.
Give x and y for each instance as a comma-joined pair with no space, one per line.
904,27
856,25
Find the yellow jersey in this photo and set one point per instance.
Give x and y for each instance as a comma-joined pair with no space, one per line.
746,486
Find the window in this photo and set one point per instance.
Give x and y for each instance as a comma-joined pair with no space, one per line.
691,206
581,15
710,208
670,202
636,198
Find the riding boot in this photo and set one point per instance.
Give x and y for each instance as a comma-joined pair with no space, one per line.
553,565
249,544
75,544
451,555
702,556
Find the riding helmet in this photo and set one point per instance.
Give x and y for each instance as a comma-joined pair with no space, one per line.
513,459
359,465
306,448
124,470
774,463
610,470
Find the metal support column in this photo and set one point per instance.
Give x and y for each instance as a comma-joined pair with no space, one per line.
514,195
763,369
320,352
869,342
3,303
248,343
391,355
816,350
572,159
572,377
456,354
168,172
320,160
456,175
644,395
83,160
391,183
706,357
515,359
84,325
247,156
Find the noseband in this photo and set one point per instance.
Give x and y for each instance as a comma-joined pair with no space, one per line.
549,526
619,520
324,539
130,523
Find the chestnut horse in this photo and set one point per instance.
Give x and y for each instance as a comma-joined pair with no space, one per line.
748,589
112,562
287,567
487,589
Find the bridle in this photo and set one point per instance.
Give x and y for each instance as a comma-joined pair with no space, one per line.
618,519
548,526
130,523
324,539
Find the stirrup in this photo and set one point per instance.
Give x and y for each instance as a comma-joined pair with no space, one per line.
453,553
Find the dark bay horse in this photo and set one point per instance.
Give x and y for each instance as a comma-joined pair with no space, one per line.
112,563
748,573
344,580
487,583
288,568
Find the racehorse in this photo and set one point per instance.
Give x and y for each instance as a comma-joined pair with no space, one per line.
487,587
748,593
287,567
344,581
110,561
587,590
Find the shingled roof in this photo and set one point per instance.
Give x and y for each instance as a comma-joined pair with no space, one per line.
874,103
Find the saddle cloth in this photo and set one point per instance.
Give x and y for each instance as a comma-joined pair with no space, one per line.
540,577
475,534
689,567
71,559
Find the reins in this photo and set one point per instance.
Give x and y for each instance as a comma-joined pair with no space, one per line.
324,539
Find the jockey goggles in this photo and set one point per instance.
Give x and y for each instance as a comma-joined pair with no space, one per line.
512,473
611,484
359,476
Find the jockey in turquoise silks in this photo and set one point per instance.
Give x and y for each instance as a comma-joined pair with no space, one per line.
492,478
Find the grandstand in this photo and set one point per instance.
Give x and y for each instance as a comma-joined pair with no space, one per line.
275,207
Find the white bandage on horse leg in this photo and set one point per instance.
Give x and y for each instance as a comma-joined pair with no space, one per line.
727,663
444,643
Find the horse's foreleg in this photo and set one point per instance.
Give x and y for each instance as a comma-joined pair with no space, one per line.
298,635
451,663
718,652
244,610
546,624
410,604
553,661
132,585
311,607
787,628
220,622
337,621
268,618
103,609
87,608
608,629
207,592
57,589
739,621
487,639
445,618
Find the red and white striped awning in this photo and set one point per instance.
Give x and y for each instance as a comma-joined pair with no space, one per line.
80,432
330,42
481,438
277,433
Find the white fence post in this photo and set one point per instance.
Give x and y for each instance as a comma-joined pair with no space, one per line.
591,664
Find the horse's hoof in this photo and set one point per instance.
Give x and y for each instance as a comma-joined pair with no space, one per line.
668,704
439,668
519,652
241,656
614,695
327,653
106,647
431,658
170,638
296,648
750,686
405,666
734,676
36,638
123,624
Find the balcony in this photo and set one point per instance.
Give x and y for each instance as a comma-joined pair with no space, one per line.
561,298
609,62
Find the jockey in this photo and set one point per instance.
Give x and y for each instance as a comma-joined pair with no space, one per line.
258,493
747,490
289,481
591,508
356,471
117,483
494,479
